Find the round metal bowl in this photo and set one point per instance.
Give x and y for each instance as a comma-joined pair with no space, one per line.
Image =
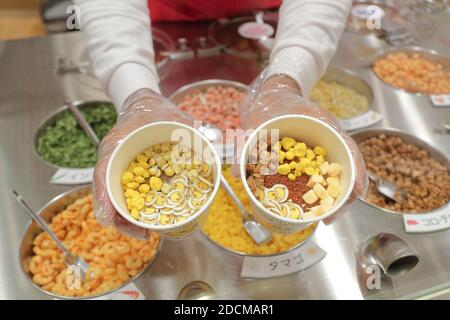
433,152
51,209
226,151
243,254
351,80
429,54
52,118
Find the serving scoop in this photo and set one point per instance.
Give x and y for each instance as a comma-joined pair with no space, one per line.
256,231
386,188
71,260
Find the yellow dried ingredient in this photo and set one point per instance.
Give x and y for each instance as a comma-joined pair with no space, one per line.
342,101
224,225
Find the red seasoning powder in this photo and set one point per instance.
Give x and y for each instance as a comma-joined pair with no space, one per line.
296,188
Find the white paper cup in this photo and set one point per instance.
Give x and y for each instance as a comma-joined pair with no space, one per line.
143,138
314,133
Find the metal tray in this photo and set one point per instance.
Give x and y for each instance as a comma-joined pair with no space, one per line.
433,151
48,211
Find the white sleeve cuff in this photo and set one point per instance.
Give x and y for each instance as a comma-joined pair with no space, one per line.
296,63
128,78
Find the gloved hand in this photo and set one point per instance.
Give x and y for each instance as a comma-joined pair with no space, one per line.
280,95
141,108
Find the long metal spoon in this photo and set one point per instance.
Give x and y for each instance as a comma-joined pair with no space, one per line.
256,231
386,188
70,259
83,123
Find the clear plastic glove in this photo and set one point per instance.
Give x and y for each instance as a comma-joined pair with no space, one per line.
280,95
141,108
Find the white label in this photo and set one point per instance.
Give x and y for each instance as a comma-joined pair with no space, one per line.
255,30
435,221
441,101
365,11
129,292
72,176
283,264
365,120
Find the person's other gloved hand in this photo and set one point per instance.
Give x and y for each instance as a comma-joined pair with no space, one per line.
141,108
280,95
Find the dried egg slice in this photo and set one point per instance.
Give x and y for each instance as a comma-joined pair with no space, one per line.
195,204
270,194
150,198
160,201
281,191
296,211
178,185
181,177
197,194
175,196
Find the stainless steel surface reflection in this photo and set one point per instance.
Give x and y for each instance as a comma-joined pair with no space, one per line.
30,90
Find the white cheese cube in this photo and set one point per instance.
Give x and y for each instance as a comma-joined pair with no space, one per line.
310,197
320,191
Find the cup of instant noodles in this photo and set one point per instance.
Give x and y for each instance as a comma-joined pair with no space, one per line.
296,170
163,177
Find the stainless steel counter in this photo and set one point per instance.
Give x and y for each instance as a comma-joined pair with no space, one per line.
29,90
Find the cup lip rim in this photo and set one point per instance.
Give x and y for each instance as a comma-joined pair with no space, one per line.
167,228
243,164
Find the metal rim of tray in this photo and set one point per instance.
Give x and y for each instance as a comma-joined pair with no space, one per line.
429,147
82,191
51,119
429,54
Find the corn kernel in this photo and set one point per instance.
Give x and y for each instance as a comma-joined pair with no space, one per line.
300,146
127,177
310,154
284,169
151,162
291,176
309,171
155,183
319,160
135,213
144,188
139,179
169,171
318,150
138,203
290,155
293,164
287,143
133,185
281,156
139,171
299,154
142,158
129,193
